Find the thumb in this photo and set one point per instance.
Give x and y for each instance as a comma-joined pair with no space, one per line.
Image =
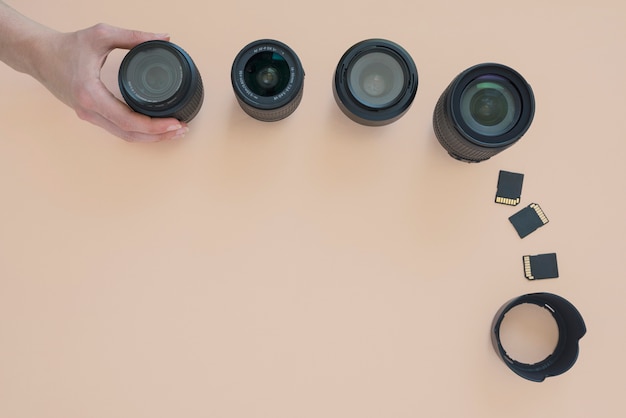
126,38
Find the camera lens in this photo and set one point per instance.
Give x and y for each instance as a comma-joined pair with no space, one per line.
159,79
375,82
268,80
486,109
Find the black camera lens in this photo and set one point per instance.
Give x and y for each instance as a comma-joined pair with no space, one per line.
375,82
486,109
268,80
159,79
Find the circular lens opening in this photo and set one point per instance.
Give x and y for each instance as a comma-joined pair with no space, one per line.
490,105
529,333
267,73
154,75
376,79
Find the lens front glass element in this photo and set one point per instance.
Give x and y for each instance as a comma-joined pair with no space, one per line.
267,74
376,80
154,75
490,105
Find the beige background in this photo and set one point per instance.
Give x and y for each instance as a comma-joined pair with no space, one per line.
311,267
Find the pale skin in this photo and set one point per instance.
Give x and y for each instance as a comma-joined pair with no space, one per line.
69,65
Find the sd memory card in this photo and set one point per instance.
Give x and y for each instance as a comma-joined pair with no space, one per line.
528,219
509,190
542,266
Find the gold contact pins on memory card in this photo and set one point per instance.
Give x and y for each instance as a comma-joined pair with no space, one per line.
507,201
542,216
528,271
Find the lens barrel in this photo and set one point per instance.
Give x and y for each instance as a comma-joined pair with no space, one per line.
268,80
485,110
375,82
159,79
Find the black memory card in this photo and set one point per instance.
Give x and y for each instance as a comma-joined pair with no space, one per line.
528,219
542,266
509,189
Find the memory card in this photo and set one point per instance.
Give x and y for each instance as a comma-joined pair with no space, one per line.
528,219
509,190
542,266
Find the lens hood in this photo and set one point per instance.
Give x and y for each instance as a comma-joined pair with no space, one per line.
571,329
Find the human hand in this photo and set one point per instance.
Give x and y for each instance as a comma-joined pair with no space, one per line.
69,65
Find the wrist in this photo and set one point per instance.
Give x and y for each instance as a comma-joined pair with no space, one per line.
22,41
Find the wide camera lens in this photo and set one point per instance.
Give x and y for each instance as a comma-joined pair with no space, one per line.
268,80
375,82
159,79
486,109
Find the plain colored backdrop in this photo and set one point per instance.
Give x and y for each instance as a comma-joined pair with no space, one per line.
311,267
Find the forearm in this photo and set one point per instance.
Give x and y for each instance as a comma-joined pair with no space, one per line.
21,40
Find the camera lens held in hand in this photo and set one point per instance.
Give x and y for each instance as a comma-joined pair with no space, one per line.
159,79
375,82
268,80
485,110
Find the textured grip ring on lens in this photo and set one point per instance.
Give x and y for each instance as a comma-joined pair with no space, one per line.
159,79
484,110
375,82
268,80
571,329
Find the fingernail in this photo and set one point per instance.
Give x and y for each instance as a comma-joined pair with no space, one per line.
162,35
181,133
174,128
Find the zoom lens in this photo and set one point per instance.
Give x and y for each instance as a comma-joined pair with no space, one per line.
375,82
268,80
159,79
485,110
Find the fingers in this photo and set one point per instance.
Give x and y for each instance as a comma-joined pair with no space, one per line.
111,37
98,105
132,136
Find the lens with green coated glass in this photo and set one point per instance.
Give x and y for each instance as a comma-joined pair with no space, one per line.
486,109
489,105
267,73
268,80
